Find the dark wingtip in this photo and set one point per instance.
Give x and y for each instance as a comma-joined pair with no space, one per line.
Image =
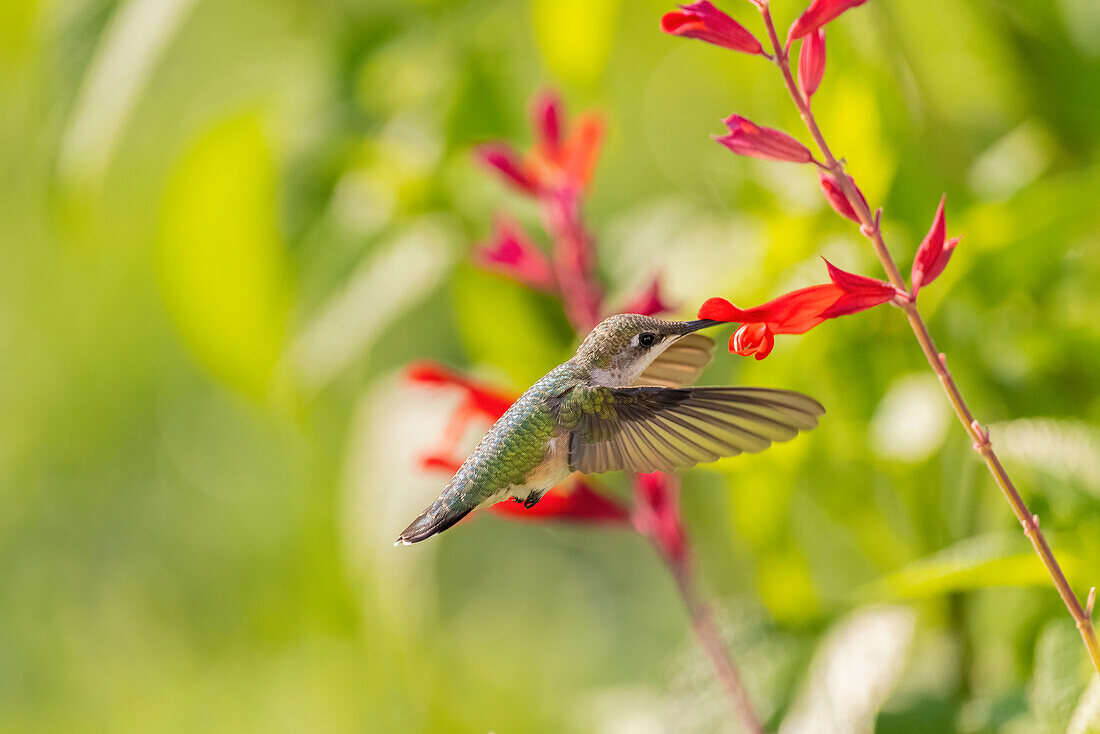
432,521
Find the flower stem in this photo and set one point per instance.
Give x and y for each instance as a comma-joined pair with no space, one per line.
706,632
869,226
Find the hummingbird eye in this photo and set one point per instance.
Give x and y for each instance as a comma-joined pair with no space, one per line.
647,339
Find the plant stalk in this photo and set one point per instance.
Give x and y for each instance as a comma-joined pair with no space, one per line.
706,632
870,228
582,297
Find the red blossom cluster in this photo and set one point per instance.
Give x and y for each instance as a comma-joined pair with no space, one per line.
846,293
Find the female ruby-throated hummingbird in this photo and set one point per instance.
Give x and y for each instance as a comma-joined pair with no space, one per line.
621,402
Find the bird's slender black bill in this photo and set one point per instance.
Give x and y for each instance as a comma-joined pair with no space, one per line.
690,326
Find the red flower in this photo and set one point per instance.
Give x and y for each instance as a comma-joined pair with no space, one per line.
707,23
811,62
579,502
834,194
933,253
746,138
649,302
657,513
818,14
798,311
483,400
556,162
511,253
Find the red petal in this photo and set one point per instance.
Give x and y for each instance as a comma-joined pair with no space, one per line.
582,504
547,114
581,151
798,311
792,313
818,14
811,62
444,463
506,162
705,22
491,402
850,282
834,194
749,139
754,338
860,292
719,309
648,302
511,253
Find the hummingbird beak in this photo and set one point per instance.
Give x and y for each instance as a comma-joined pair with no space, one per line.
689,326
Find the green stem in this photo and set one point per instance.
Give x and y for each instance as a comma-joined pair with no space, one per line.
869,226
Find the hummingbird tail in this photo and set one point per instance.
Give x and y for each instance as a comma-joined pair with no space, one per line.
441,515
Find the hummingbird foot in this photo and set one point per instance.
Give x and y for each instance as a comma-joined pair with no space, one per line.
532,499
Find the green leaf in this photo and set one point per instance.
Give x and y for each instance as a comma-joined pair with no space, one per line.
509,326
222,264
1060,674
974,563
1086,717
575,36
852,672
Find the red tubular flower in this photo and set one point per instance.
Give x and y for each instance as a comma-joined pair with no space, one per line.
484,400
933,253
818,14
511,253
705,22
811,62
746,138
649,302
556,161
581,502
657,513
508,164
798,311
834,194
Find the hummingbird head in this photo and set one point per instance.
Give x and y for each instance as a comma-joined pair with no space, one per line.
620,347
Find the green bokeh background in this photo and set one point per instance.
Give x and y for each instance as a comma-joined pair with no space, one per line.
226,225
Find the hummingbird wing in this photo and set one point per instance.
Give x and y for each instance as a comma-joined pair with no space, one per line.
644,429
680,364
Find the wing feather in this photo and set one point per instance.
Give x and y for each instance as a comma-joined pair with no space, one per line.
659,429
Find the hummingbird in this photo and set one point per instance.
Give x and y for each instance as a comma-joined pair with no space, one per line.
622,402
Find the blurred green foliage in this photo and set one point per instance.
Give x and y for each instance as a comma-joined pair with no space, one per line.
226,225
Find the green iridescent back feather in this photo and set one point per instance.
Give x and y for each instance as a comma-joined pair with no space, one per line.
517,443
